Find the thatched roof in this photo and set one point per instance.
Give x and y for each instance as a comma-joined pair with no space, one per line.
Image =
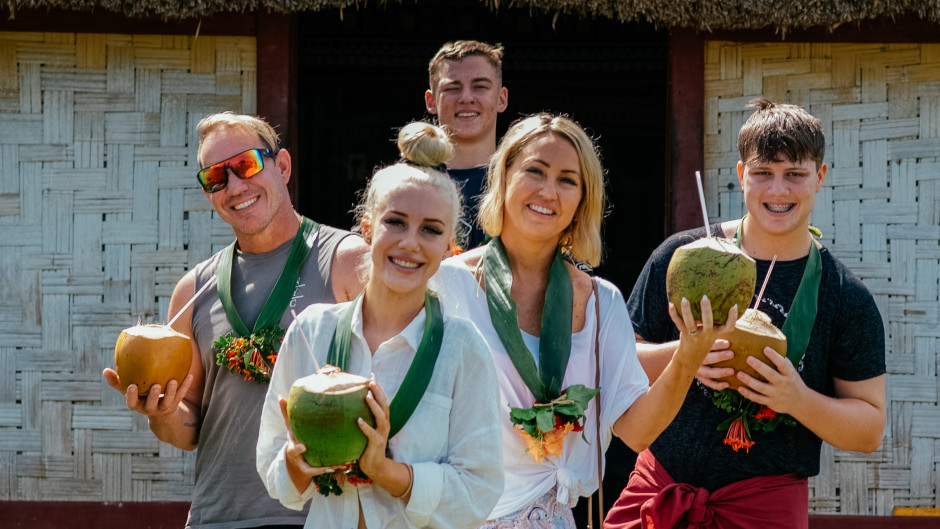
705,15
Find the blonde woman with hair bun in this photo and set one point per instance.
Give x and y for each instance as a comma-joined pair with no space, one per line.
542,317
437,470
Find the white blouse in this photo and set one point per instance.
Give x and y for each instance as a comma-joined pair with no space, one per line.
574,472
450,439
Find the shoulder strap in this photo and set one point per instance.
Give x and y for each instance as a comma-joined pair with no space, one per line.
597,384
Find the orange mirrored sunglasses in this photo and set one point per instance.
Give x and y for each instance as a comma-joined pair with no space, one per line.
245,165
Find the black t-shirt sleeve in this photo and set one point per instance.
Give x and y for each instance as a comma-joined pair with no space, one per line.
857,348
648,304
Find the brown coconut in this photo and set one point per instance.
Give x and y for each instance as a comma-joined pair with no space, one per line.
715,267
752,332
323,410
151,354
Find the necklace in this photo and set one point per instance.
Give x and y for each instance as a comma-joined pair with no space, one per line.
245,352
555,412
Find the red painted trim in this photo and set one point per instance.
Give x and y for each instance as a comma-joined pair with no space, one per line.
172,515
685,128
103,21
277,83
85,514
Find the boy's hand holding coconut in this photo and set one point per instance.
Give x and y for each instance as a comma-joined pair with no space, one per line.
782,389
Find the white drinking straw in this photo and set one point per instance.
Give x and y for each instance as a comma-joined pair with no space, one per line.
766,278
190,302
304,336
701,197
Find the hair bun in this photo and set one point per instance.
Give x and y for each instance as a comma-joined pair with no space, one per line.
424,144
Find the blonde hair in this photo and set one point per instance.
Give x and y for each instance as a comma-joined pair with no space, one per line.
581,240
228,119
424,148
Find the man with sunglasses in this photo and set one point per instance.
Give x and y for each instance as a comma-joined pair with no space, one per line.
279,263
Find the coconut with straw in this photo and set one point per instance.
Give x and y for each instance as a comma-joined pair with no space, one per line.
154,354
712,266
752,332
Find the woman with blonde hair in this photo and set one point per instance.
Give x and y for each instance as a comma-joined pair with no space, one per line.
429,459
559,337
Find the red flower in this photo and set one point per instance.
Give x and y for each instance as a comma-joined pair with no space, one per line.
578,427
765,413
737,436
356,480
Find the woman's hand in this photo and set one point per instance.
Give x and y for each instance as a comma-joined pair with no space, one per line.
396,478
696,341
373,460
300,472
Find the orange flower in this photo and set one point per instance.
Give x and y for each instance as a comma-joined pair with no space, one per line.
550,445
554,441
737,436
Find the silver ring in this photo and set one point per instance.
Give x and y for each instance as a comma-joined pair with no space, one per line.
693,332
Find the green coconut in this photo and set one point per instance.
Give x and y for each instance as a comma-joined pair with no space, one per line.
752,332
323,410
715,267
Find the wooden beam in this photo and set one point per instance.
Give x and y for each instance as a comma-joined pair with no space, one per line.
685,128
918,511
277,83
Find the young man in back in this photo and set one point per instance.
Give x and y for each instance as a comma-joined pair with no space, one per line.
746,465
466,93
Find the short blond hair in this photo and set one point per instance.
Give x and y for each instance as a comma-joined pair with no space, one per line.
581,240
460,49
231,120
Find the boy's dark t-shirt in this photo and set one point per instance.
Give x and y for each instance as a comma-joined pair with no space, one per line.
470,182
847,342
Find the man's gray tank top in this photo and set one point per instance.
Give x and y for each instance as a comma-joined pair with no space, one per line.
228,493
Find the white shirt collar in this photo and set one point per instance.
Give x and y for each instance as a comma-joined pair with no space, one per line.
411,334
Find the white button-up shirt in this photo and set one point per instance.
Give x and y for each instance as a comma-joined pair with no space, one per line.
451,439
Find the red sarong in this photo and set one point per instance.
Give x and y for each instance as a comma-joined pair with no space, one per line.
652,500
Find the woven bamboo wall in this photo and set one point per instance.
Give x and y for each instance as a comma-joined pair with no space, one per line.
878,211
100,215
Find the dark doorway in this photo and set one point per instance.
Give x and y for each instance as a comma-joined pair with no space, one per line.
363,75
